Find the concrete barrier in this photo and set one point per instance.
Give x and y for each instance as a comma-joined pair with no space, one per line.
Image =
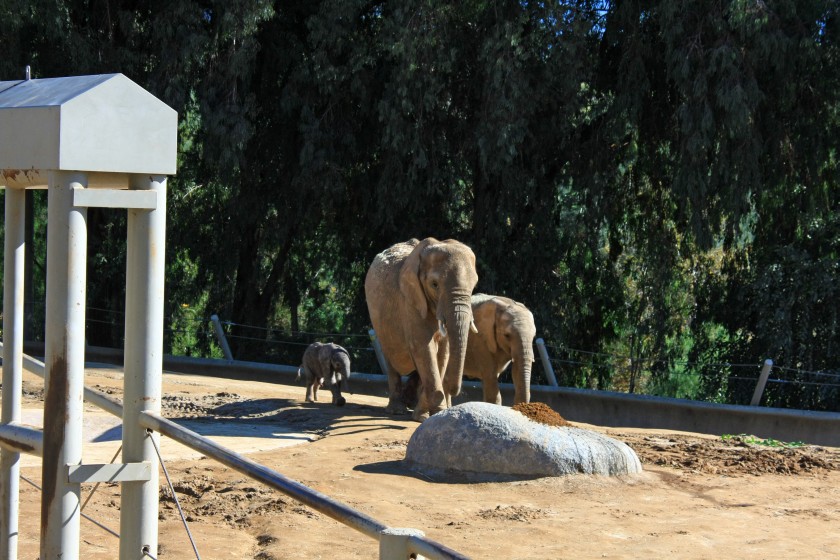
601,408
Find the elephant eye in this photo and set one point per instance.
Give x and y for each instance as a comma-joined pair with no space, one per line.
434,284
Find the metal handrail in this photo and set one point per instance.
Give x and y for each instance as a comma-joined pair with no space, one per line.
416,543
296,490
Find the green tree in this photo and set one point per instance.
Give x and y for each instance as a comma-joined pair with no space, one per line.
656,180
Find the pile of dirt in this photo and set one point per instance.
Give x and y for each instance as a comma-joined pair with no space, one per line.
741,455
513,513
227,497
542,413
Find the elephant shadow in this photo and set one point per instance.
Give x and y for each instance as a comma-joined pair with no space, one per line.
271,418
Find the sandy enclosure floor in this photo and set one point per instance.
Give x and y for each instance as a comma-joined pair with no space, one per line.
698,497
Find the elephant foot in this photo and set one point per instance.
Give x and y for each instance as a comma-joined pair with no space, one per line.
396,406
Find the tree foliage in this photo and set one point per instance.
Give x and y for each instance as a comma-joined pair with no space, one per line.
654,179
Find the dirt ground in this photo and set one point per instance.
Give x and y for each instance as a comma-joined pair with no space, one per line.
698,497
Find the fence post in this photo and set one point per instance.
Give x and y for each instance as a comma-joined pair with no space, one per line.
377,348
546,362
220,335
762,381
393,543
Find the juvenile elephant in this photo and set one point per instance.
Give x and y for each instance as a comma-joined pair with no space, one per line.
418,295
325,364
506,334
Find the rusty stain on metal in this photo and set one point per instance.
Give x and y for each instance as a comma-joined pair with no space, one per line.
21,177
14,173
55,417
16,445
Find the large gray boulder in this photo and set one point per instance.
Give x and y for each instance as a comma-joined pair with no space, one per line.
479,437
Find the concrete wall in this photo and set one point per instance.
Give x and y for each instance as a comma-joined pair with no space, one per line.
601,408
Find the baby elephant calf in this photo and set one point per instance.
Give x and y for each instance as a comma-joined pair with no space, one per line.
325,364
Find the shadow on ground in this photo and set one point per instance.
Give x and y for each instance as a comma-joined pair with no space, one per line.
226,415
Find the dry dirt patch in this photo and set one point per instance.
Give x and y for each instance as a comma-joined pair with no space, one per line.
733,455
699,497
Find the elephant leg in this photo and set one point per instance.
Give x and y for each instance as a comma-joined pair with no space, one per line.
421,411
490,387
395,390
311,386
411,390
430,401
337,399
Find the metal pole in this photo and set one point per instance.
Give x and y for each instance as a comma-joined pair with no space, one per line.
319,502
762,381
432,550
65,366
13,268
220,334
377,348
546,362
21,439
144,294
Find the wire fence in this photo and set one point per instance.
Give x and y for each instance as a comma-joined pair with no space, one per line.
724,382
186,333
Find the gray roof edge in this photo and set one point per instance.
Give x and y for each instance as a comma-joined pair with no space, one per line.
47,92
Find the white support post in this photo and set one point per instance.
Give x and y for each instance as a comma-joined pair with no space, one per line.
143,367
12,365
762,381
546,362
65,362
377,348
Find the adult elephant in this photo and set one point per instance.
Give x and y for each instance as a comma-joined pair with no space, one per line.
505,334
418,295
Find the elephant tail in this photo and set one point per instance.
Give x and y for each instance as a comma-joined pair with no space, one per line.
299,373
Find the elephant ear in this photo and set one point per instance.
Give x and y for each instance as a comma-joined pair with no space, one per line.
410,279
485,321
336,353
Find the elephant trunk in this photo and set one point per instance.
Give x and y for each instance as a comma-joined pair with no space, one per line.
458,320
340,375
523,358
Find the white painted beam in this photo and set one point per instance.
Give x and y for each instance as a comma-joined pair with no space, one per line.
113,472
114,198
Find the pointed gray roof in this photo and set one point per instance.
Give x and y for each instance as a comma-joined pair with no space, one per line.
101,123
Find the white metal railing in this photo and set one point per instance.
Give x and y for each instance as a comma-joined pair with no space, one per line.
394,543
